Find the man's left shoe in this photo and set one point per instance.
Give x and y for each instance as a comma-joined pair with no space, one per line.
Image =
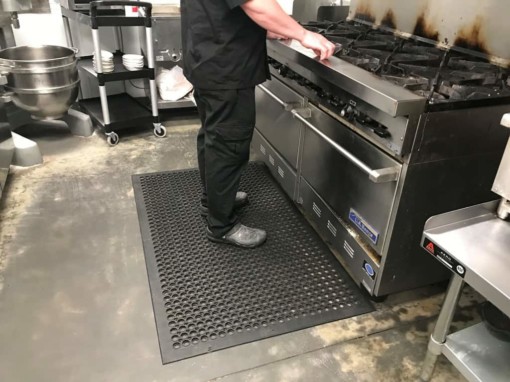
241,201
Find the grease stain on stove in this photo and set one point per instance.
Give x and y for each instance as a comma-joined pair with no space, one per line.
472,37
389,20
425,29
364,13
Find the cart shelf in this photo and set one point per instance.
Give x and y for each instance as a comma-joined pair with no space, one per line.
125,112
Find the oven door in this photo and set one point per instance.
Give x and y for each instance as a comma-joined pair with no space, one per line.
275,121
355,179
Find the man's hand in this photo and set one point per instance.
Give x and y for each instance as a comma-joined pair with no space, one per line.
270,16
319,44
275,36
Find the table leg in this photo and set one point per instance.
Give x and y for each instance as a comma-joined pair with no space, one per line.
442,327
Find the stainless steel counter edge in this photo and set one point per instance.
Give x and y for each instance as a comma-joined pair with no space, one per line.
462,215
387,97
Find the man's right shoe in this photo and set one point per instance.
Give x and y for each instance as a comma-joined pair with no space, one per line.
241,236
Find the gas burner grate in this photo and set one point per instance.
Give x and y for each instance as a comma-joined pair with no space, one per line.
420,67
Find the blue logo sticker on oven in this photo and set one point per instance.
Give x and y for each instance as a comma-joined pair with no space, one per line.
364,227
369,269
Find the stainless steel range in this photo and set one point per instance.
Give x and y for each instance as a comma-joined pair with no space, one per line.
373,142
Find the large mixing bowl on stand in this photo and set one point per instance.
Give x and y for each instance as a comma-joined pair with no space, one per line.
43,79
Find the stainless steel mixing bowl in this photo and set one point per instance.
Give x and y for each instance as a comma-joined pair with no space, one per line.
44,79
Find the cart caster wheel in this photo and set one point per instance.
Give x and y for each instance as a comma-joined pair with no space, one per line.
160,131
113,139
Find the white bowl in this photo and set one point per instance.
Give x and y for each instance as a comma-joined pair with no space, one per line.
104,63
132,57
107,63
106,54
104,66
133,63
133,68
103,59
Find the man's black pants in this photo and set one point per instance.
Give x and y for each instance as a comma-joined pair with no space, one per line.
223,145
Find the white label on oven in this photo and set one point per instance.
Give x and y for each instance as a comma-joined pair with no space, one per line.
160,58
349,249
281,172
271,159
262,149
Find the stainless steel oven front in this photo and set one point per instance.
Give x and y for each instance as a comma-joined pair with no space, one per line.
345,185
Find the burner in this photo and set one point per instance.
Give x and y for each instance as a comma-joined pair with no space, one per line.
422,68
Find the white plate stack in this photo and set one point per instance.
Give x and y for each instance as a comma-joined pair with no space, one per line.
132,61
106,61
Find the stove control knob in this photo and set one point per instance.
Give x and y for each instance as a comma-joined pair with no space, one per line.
336,102
381,131
347,112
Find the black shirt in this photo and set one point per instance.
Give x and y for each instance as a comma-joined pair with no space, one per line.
223,48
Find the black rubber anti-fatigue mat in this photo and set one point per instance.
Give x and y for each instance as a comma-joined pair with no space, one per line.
209,296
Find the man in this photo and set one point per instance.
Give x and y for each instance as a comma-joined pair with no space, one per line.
224,45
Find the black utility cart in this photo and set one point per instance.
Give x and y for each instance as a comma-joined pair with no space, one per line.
120,111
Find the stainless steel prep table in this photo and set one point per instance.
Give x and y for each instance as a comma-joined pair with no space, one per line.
475,245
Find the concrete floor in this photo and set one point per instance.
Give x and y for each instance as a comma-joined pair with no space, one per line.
75,302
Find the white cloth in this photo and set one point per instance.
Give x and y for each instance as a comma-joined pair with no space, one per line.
172,84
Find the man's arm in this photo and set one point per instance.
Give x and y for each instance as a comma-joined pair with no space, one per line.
275,36
270,16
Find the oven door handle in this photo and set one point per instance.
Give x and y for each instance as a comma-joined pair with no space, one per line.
382,175
289,106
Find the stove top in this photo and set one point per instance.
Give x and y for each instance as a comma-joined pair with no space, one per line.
441,76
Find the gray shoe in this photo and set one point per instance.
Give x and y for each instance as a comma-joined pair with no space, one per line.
241,236
241,201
